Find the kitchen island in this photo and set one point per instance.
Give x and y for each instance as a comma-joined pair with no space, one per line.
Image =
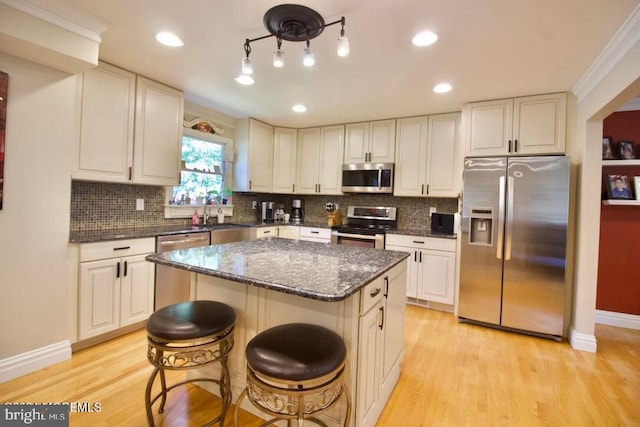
358,293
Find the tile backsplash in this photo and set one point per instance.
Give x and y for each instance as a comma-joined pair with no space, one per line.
105,205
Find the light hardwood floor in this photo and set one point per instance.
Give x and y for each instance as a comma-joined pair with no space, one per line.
452,375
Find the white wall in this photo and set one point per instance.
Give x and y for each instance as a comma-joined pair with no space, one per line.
42,123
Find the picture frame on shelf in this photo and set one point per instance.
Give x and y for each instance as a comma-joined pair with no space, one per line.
627,150
636,184
618,187
607,150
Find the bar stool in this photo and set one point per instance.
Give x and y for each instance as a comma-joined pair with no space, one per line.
295,371
185,336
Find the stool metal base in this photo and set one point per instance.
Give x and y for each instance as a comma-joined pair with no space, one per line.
183,355
287,400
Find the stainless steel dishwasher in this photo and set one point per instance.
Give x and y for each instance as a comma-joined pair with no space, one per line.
172,284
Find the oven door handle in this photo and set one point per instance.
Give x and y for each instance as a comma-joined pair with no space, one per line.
357,236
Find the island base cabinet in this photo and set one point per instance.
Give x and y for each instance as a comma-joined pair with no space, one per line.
258,309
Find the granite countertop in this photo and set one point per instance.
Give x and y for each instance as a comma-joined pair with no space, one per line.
421,232
307,269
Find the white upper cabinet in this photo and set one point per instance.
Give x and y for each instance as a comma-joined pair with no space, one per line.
428,156
370,142
158,134
319,165
284,160
527,125
130,130
253,167
105,152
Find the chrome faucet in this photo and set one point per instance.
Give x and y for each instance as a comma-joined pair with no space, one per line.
205,216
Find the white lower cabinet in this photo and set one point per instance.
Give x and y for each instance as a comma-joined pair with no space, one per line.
289,232
381,338
431,269
116,285
262,232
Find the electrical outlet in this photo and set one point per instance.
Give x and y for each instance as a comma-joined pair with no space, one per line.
254,205
139,204
432,210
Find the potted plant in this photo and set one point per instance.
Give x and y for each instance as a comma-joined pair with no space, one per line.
213,196
227,194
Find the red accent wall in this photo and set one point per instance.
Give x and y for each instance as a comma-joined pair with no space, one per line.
619,259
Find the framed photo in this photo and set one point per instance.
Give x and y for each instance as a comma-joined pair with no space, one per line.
607,151
618,187
627,150
636,182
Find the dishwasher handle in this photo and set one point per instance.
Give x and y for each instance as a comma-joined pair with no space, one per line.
183,242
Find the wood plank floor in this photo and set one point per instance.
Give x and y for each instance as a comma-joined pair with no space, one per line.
452,375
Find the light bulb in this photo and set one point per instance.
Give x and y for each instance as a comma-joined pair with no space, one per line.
343,46
247,65
309,59
278,58
244,79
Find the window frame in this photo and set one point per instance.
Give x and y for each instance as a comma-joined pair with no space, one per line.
186,211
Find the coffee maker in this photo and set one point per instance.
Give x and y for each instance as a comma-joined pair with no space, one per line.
296,212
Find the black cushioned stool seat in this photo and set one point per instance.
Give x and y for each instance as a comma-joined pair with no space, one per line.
190,335
298,366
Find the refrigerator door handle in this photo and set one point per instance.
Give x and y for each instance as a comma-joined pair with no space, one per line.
500,218
509,228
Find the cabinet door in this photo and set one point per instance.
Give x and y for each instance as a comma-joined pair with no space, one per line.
289,232
382,141
411,157
331,149
284,160
539,124
411,286
437,276
488,127
444,170
368,388
393,326
105,152
158,133
136,289
99,298
308,161
260,156
356,145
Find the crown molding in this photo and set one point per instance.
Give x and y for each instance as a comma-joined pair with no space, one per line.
625,39
61,15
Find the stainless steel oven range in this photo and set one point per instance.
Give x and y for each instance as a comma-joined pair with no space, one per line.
366,227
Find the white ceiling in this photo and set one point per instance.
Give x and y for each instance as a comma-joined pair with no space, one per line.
487,49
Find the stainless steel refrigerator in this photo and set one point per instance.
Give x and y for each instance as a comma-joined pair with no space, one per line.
514,241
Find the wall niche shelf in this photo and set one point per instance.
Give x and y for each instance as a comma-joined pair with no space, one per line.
621,202
635,162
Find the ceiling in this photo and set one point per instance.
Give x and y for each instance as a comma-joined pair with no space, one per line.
486,50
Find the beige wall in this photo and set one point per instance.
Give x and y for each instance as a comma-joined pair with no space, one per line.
42,123
616,88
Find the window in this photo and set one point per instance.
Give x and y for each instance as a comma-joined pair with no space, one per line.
202,170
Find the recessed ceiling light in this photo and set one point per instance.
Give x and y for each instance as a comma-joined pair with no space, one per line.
169,39
425,38
244,79
299,108
442,88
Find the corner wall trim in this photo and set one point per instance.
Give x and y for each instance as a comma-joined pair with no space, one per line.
582,342
622,320
15,366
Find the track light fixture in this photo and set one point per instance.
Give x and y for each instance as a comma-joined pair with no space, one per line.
295,23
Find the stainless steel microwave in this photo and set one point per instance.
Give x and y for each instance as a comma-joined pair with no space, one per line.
367,178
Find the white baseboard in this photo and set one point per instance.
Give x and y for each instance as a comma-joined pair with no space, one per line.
622,320
15,366
582,342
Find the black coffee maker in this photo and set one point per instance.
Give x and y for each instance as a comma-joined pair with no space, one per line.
296,212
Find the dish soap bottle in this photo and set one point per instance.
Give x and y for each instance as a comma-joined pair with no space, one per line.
194,218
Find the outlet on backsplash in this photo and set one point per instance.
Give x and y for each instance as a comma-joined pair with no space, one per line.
432,210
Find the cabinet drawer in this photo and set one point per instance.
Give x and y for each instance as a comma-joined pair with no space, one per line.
317,233
420,242
116,249
371,294
266,232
